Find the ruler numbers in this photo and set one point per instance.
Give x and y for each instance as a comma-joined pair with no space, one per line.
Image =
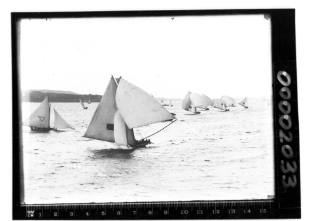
217,209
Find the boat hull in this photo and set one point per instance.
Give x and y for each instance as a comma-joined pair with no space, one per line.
40,130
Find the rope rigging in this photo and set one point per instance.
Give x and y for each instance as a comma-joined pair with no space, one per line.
174,120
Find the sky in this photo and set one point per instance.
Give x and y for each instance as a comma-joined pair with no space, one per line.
165,56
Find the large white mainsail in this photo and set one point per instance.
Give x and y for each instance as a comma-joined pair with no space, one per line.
102,123
59,122
137,107
40,118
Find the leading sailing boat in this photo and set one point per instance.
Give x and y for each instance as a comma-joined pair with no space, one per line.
39,120
122,108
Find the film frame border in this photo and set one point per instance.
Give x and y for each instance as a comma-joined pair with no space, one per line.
286,202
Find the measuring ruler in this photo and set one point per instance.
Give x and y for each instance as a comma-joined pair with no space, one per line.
153,210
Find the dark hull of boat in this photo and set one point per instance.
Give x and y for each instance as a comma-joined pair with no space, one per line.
141,143
40,130
193,113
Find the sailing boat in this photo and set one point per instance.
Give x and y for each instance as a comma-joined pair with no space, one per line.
39,120
228,101
89,101
192,101
217,103
244,103
82,104
122,108
188,105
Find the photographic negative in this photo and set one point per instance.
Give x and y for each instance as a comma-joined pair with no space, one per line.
155,114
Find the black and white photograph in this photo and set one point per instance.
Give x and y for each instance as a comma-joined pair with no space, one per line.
139,109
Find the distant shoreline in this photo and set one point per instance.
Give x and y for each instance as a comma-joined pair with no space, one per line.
58,96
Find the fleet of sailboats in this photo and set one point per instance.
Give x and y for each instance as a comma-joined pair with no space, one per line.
123,108
39,120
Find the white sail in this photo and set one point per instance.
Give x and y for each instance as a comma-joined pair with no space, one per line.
199,100
228,101
207,100
40,118
137,107
59,122
217,103
244,103
101,126
123,135
186,103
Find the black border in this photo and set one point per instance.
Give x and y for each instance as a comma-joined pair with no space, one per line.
286,203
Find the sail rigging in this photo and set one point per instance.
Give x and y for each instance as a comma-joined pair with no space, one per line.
40,118
101,126
137,107
59,122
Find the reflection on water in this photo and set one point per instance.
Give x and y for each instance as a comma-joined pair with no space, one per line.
210,156
113,153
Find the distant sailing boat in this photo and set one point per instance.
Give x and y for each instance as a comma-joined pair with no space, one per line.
40,119
89,101
217,103
187,104
228,101
194,101
122,108
82,104
244,103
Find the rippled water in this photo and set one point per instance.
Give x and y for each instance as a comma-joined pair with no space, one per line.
212,156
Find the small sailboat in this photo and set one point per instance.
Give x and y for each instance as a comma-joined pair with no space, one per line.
194,101
39,120
228,101
217,103
244,103
89,101
188,105
124,107
82,104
